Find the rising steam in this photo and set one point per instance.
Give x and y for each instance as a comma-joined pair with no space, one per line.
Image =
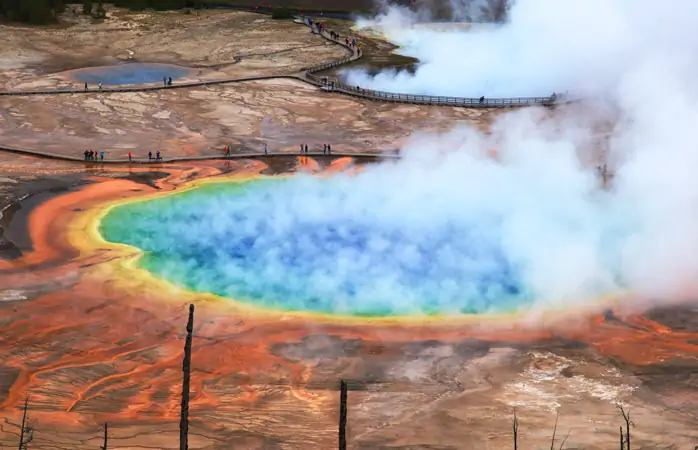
545,46
450,229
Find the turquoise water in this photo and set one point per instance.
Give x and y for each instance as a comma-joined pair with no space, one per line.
131,73
302,244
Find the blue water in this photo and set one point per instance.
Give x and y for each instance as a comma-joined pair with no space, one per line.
286,245
131,73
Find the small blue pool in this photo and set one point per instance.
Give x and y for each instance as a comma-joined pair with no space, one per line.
131,73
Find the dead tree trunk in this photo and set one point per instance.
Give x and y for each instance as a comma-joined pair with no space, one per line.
628,423
343,415
552,442
24,424
621,438
515,427
106,429
26,434
186,379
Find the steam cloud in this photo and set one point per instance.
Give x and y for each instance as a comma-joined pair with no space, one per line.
450,228
546,46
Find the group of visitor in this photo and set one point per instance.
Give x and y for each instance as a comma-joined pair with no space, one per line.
319,27
326,149
167,81
157,156
98,84
91,155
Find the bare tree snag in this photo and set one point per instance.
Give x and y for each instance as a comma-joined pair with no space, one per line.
26,433
628,423
343,415
621,438
515,427
186,380
552,442
106,430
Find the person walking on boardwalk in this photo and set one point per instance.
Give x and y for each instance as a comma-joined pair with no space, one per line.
150,156
157,156
164,81
329,149
324,149
101,156
100,85
301,149
86,153
266,149
85,87
226,151
130,157
482,100
306,149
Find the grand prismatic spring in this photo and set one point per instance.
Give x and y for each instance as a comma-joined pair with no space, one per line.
453,265
277,244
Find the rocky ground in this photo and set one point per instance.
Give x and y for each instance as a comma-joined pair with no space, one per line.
88,358
217,44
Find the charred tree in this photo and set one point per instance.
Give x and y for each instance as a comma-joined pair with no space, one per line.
628,423
186,380
621,439
106,430
26,433
343,415
515,428
552,442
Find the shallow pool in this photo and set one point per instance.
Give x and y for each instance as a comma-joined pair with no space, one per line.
131,73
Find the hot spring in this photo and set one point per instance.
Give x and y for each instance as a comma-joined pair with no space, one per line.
300,244
131,73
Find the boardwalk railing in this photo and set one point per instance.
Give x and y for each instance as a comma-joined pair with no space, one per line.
150,88
357,91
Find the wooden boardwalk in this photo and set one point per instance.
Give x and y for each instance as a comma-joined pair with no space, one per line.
233,157
309,76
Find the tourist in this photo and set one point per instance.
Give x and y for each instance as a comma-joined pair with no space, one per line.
101,156
324,149
100,85
226,151
482,100
130,157
85,87
306,149
301,149
329,149
164,81
157,156
266,149
169,81
150,156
